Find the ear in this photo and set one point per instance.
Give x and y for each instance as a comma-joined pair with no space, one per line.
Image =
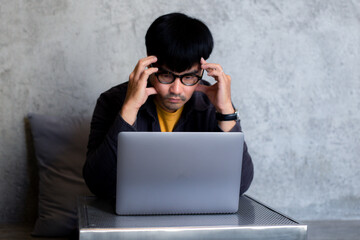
151,91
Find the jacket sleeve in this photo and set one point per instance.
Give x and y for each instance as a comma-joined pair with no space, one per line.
247,171
99,170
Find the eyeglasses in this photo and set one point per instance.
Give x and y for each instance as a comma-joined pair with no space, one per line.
189,79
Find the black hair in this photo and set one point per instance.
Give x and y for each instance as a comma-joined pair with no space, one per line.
178,41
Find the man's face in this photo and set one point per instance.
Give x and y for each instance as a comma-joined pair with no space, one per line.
173,96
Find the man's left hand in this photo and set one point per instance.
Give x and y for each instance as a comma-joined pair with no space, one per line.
219,93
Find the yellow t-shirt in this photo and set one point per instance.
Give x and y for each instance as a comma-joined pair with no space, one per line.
168,120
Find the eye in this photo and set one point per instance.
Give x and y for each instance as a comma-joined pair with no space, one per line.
189,77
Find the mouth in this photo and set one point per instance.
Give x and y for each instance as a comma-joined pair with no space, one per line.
174,100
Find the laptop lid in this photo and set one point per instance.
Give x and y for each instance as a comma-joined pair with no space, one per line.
178,172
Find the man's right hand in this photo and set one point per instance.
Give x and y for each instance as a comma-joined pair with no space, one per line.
137,92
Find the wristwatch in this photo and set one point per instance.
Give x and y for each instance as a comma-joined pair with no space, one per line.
228,117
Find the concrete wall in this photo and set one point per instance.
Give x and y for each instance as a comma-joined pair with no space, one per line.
296,82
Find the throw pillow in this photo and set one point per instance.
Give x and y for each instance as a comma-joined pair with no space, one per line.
60,148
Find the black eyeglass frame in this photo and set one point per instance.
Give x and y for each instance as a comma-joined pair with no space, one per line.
179,76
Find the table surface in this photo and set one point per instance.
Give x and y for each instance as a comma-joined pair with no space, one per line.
254,220
96,213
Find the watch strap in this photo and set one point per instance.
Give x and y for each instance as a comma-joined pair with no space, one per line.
227,117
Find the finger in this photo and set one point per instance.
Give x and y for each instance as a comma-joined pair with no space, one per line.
144,62
202,61
217,75
131,77
150,91
210,67
214,71
228,77
149,60
142,65
146,73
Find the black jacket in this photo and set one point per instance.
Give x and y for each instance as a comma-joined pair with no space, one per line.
100,168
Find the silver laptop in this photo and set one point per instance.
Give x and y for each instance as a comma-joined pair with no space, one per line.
178,172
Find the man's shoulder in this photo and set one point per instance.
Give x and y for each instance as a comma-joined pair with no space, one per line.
115,92
121,88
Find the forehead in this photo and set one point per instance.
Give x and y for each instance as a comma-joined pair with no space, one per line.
195,67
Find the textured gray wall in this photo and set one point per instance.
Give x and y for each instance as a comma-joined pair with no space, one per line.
296,82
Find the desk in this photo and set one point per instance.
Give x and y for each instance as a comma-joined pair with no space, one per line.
254,220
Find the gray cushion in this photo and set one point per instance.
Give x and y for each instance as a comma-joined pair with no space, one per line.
60,148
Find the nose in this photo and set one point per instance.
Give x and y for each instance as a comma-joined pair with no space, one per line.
176,86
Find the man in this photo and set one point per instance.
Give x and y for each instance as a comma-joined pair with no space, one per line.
165,92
